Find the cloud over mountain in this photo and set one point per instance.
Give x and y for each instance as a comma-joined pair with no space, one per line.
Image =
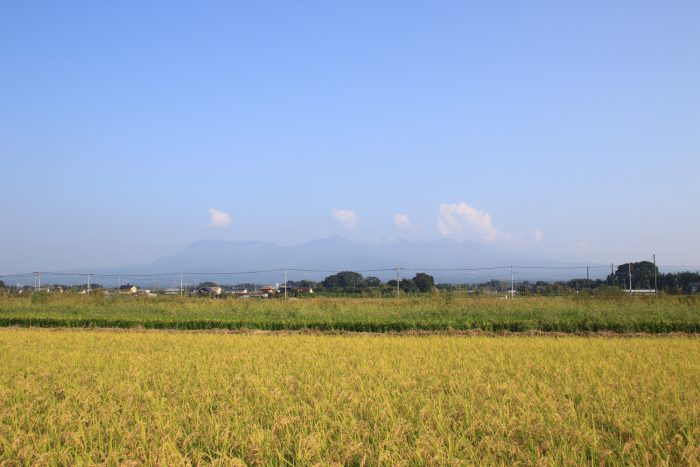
463,221
346,218
218,218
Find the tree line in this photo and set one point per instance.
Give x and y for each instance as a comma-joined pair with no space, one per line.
354,282
637,275
643,274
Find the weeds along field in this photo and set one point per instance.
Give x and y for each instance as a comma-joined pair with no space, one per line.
167,398
432,313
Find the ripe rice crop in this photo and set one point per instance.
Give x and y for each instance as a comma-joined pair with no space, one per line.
431,313
168,398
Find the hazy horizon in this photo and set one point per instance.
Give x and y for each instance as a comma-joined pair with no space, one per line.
129,131
337,253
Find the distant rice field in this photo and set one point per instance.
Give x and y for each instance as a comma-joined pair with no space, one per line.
432,313
132,397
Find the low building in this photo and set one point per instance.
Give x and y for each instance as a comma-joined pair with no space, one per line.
49,289
640,291
128,289
209,291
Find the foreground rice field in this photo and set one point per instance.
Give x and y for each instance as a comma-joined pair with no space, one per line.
167,398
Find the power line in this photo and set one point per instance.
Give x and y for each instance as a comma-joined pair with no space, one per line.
151,276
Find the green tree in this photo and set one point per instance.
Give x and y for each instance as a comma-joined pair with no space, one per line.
372,281
407,286
678,282
642,275
424,282
343,279
303,283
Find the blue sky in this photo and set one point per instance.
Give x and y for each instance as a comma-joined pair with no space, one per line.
564,129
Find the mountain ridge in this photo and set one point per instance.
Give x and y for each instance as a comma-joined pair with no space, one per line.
449,260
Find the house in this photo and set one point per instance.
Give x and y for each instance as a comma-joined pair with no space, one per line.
240,292
297,290
49,289
640,291
209,291
267,289
128,288
146,293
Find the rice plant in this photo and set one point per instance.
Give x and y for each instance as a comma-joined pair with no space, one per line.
433,313
170,398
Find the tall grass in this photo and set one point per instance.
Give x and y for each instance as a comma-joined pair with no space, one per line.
162,398
435,313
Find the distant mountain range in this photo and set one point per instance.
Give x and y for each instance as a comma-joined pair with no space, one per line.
447,260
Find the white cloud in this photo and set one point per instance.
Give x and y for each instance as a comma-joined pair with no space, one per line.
538,234
402,221
464,221
347,218
218,218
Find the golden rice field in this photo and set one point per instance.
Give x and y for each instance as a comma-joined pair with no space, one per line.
169,398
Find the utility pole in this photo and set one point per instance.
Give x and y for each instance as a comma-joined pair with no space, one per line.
512,283
630,273
88,284
655,287
36,277
612,274
588,280
119,285
285,284
397,281
181,284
